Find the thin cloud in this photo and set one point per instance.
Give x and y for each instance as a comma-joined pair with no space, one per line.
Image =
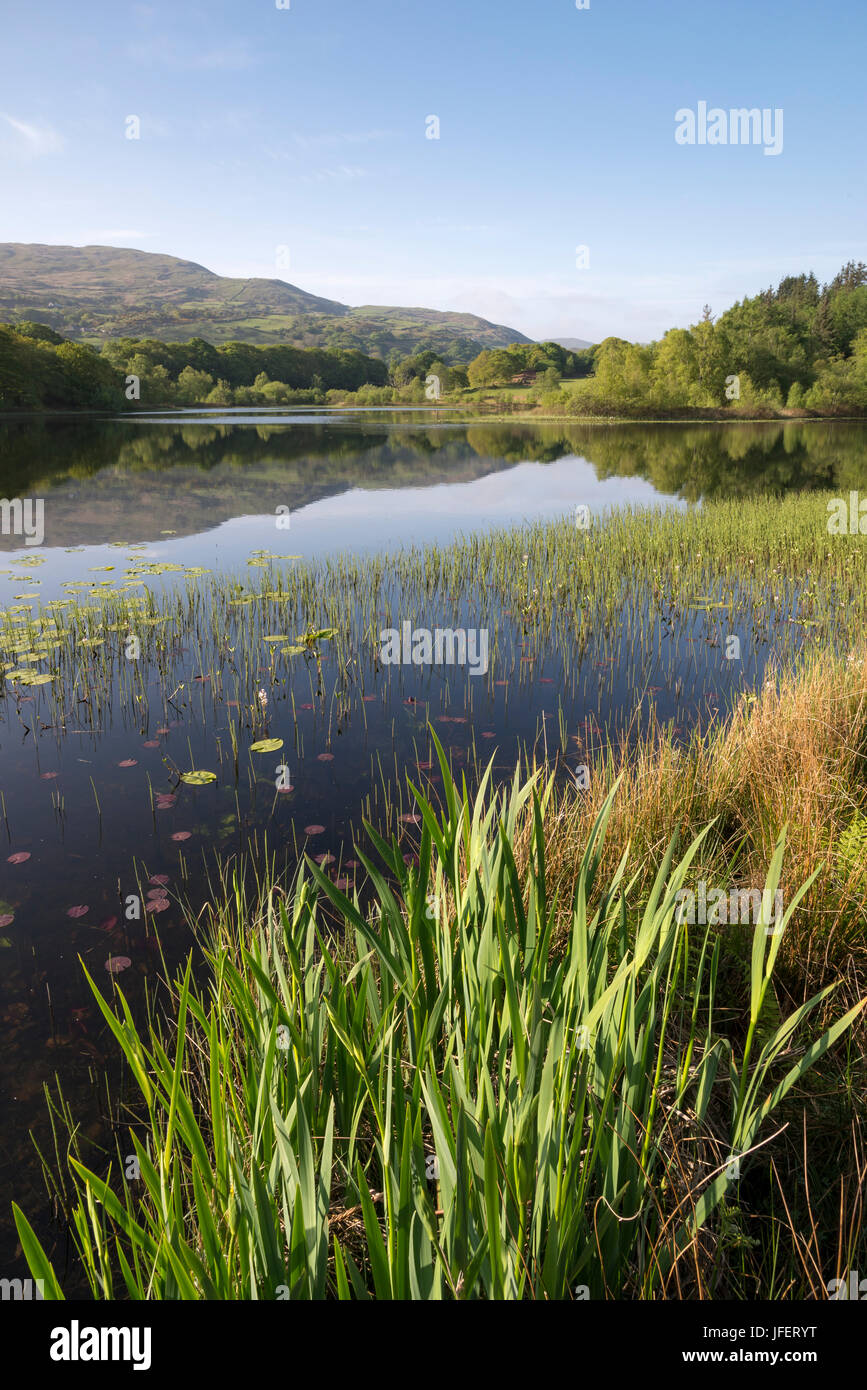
35,140
118,234
343,171
339,137
230,58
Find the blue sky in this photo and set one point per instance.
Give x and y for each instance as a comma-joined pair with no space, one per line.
304,128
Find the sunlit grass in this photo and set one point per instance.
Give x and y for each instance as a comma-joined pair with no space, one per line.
433,1103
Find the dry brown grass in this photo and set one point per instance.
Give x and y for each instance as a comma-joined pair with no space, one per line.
793,757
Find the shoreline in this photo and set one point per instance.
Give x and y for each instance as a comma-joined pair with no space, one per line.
700,417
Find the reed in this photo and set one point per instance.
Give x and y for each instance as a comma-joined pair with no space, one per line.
423,1099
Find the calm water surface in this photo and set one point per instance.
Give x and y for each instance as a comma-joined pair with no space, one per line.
206,489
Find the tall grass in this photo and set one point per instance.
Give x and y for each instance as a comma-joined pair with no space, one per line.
417,1097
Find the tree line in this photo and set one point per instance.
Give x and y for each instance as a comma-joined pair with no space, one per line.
799,346
39,369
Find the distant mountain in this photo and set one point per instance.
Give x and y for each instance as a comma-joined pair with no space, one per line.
572,344
97,292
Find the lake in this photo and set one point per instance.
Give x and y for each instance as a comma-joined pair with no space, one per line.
324,510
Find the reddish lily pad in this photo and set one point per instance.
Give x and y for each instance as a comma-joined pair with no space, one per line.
182,835
19,857
115,964
80,910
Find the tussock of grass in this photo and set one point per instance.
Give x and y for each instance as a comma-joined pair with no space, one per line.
582,1107
793,757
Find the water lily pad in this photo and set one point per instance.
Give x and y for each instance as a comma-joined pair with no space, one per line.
182,835
198,779
115,964
19,857
7,919
266,745
313,829
80,910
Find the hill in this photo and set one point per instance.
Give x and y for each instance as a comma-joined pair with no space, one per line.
95,293
573,344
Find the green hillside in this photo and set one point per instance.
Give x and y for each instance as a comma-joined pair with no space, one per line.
94,293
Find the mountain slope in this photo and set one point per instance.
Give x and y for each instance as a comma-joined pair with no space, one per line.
99,292
573,344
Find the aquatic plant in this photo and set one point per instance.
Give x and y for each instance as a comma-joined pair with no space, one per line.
429,1102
